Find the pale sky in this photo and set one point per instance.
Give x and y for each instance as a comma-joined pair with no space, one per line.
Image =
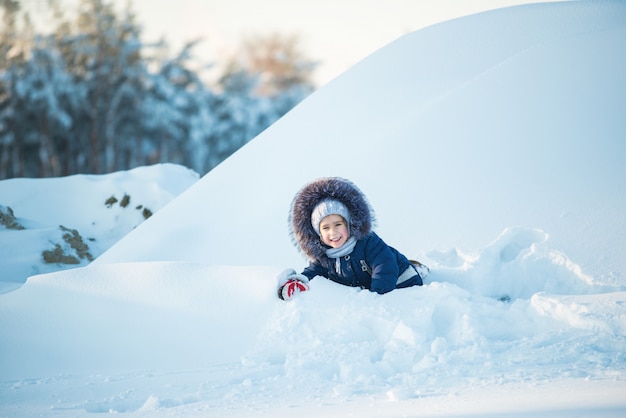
335,33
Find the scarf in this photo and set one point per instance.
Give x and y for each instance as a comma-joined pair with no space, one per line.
337,253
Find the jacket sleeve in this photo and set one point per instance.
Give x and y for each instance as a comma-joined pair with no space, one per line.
383,264
314,269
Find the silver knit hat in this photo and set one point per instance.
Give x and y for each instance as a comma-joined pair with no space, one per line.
328,207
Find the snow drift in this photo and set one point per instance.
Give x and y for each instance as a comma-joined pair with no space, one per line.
489,146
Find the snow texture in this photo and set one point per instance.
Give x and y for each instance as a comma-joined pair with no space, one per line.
491,148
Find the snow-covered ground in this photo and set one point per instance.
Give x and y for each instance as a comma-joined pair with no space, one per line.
491,148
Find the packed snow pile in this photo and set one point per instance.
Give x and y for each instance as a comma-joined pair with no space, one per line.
491,148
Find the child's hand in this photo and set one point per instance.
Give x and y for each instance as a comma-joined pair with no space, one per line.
289,289
290,283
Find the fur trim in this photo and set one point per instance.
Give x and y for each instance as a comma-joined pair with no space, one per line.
303,235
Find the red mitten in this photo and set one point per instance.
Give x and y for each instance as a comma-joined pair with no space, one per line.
292,287
290,283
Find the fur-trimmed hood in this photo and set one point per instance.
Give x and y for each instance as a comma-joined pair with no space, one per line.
362,216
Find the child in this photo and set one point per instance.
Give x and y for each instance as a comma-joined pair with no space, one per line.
331,223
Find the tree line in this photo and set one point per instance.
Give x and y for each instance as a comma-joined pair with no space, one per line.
90,96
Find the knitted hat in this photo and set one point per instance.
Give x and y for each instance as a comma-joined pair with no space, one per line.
328,207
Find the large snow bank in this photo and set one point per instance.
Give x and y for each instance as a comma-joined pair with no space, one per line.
455,132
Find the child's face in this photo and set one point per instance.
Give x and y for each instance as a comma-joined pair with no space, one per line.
334,231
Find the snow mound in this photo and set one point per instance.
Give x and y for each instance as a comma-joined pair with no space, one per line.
477,322
94,211
518,264
454,132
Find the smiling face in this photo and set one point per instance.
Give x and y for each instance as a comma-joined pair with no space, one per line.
334,231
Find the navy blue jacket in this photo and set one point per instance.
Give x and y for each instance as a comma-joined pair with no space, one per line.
372,265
